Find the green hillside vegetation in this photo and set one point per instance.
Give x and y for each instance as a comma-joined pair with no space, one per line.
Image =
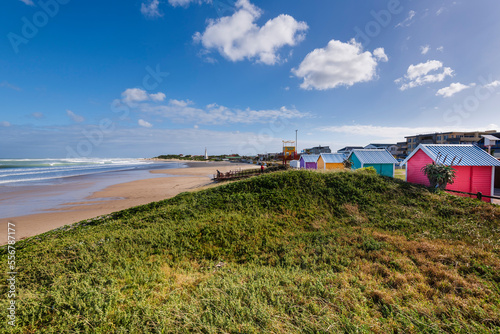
285,252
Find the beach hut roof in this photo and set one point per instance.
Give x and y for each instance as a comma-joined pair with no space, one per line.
310,157
374,156
471,155
335,158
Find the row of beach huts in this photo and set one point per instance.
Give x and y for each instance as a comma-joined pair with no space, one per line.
475,168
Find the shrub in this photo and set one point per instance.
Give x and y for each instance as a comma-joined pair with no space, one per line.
439,175
368,170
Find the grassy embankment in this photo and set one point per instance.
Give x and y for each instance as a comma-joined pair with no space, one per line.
286,252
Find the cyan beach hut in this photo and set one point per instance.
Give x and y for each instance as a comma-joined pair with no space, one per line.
309,161
475,172
380,159
331,161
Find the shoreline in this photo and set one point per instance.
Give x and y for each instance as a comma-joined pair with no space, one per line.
119,196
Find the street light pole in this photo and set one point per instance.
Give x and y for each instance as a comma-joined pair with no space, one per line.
296,146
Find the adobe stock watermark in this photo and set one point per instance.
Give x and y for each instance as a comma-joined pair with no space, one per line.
11,274
30,28
462,111
95,137
381,20
224,7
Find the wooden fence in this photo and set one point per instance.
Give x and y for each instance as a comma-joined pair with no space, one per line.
234,175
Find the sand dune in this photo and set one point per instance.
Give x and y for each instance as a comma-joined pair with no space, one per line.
119,197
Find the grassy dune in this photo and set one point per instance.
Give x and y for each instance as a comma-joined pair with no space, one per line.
286,252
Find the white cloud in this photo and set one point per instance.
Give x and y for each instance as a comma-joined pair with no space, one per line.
158,97
37,115
28,2
151,9
181,111
440,49
420,74
338,64
10,86
144,123
134,95
440,11
452,89
185,3
424,49
5,124
493,84
215,114
74,117
379,53
408,21
237,37
415,71
180,103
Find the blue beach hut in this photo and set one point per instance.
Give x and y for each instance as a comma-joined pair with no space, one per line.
380,159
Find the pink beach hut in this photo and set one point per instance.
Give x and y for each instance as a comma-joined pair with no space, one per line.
474,173
309,161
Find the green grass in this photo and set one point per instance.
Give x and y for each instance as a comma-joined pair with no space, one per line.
286,252
400,174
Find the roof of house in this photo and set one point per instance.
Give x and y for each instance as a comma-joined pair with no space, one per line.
471,155
309,157
335,158
349,148
374,156
379,145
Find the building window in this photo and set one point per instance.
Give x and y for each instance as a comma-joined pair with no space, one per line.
439,137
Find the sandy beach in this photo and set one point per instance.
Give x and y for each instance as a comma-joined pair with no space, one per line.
119,197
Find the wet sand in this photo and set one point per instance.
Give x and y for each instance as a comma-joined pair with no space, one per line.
119,197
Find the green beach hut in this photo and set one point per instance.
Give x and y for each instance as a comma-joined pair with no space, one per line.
380,159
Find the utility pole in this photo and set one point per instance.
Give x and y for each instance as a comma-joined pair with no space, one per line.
296,146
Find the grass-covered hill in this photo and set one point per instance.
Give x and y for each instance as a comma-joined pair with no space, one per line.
287,252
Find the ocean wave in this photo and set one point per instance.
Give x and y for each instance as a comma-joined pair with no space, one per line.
24,170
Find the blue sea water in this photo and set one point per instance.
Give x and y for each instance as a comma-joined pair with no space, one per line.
30,186
47,171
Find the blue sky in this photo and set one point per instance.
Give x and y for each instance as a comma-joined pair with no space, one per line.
143,78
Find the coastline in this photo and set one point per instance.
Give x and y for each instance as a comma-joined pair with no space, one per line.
120,196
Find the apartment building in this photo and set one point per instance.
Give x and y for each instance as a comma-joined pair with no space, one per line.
455,137
318,150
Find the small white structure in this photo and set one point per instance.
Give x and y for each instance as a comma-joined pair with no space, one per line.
206,154
490,141
295,164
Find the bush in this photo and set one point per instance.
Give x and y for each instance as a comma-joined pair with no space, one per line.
368,170
439,175
276,168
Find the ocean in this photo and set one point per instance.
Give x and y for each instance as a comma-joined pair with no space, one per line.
48,171
30,186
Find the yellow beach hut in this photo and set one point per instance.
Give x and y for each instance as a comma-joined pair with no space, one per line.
330,161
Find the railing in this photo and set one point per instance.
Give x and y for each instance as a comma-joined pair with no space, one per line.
479,195
233,175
